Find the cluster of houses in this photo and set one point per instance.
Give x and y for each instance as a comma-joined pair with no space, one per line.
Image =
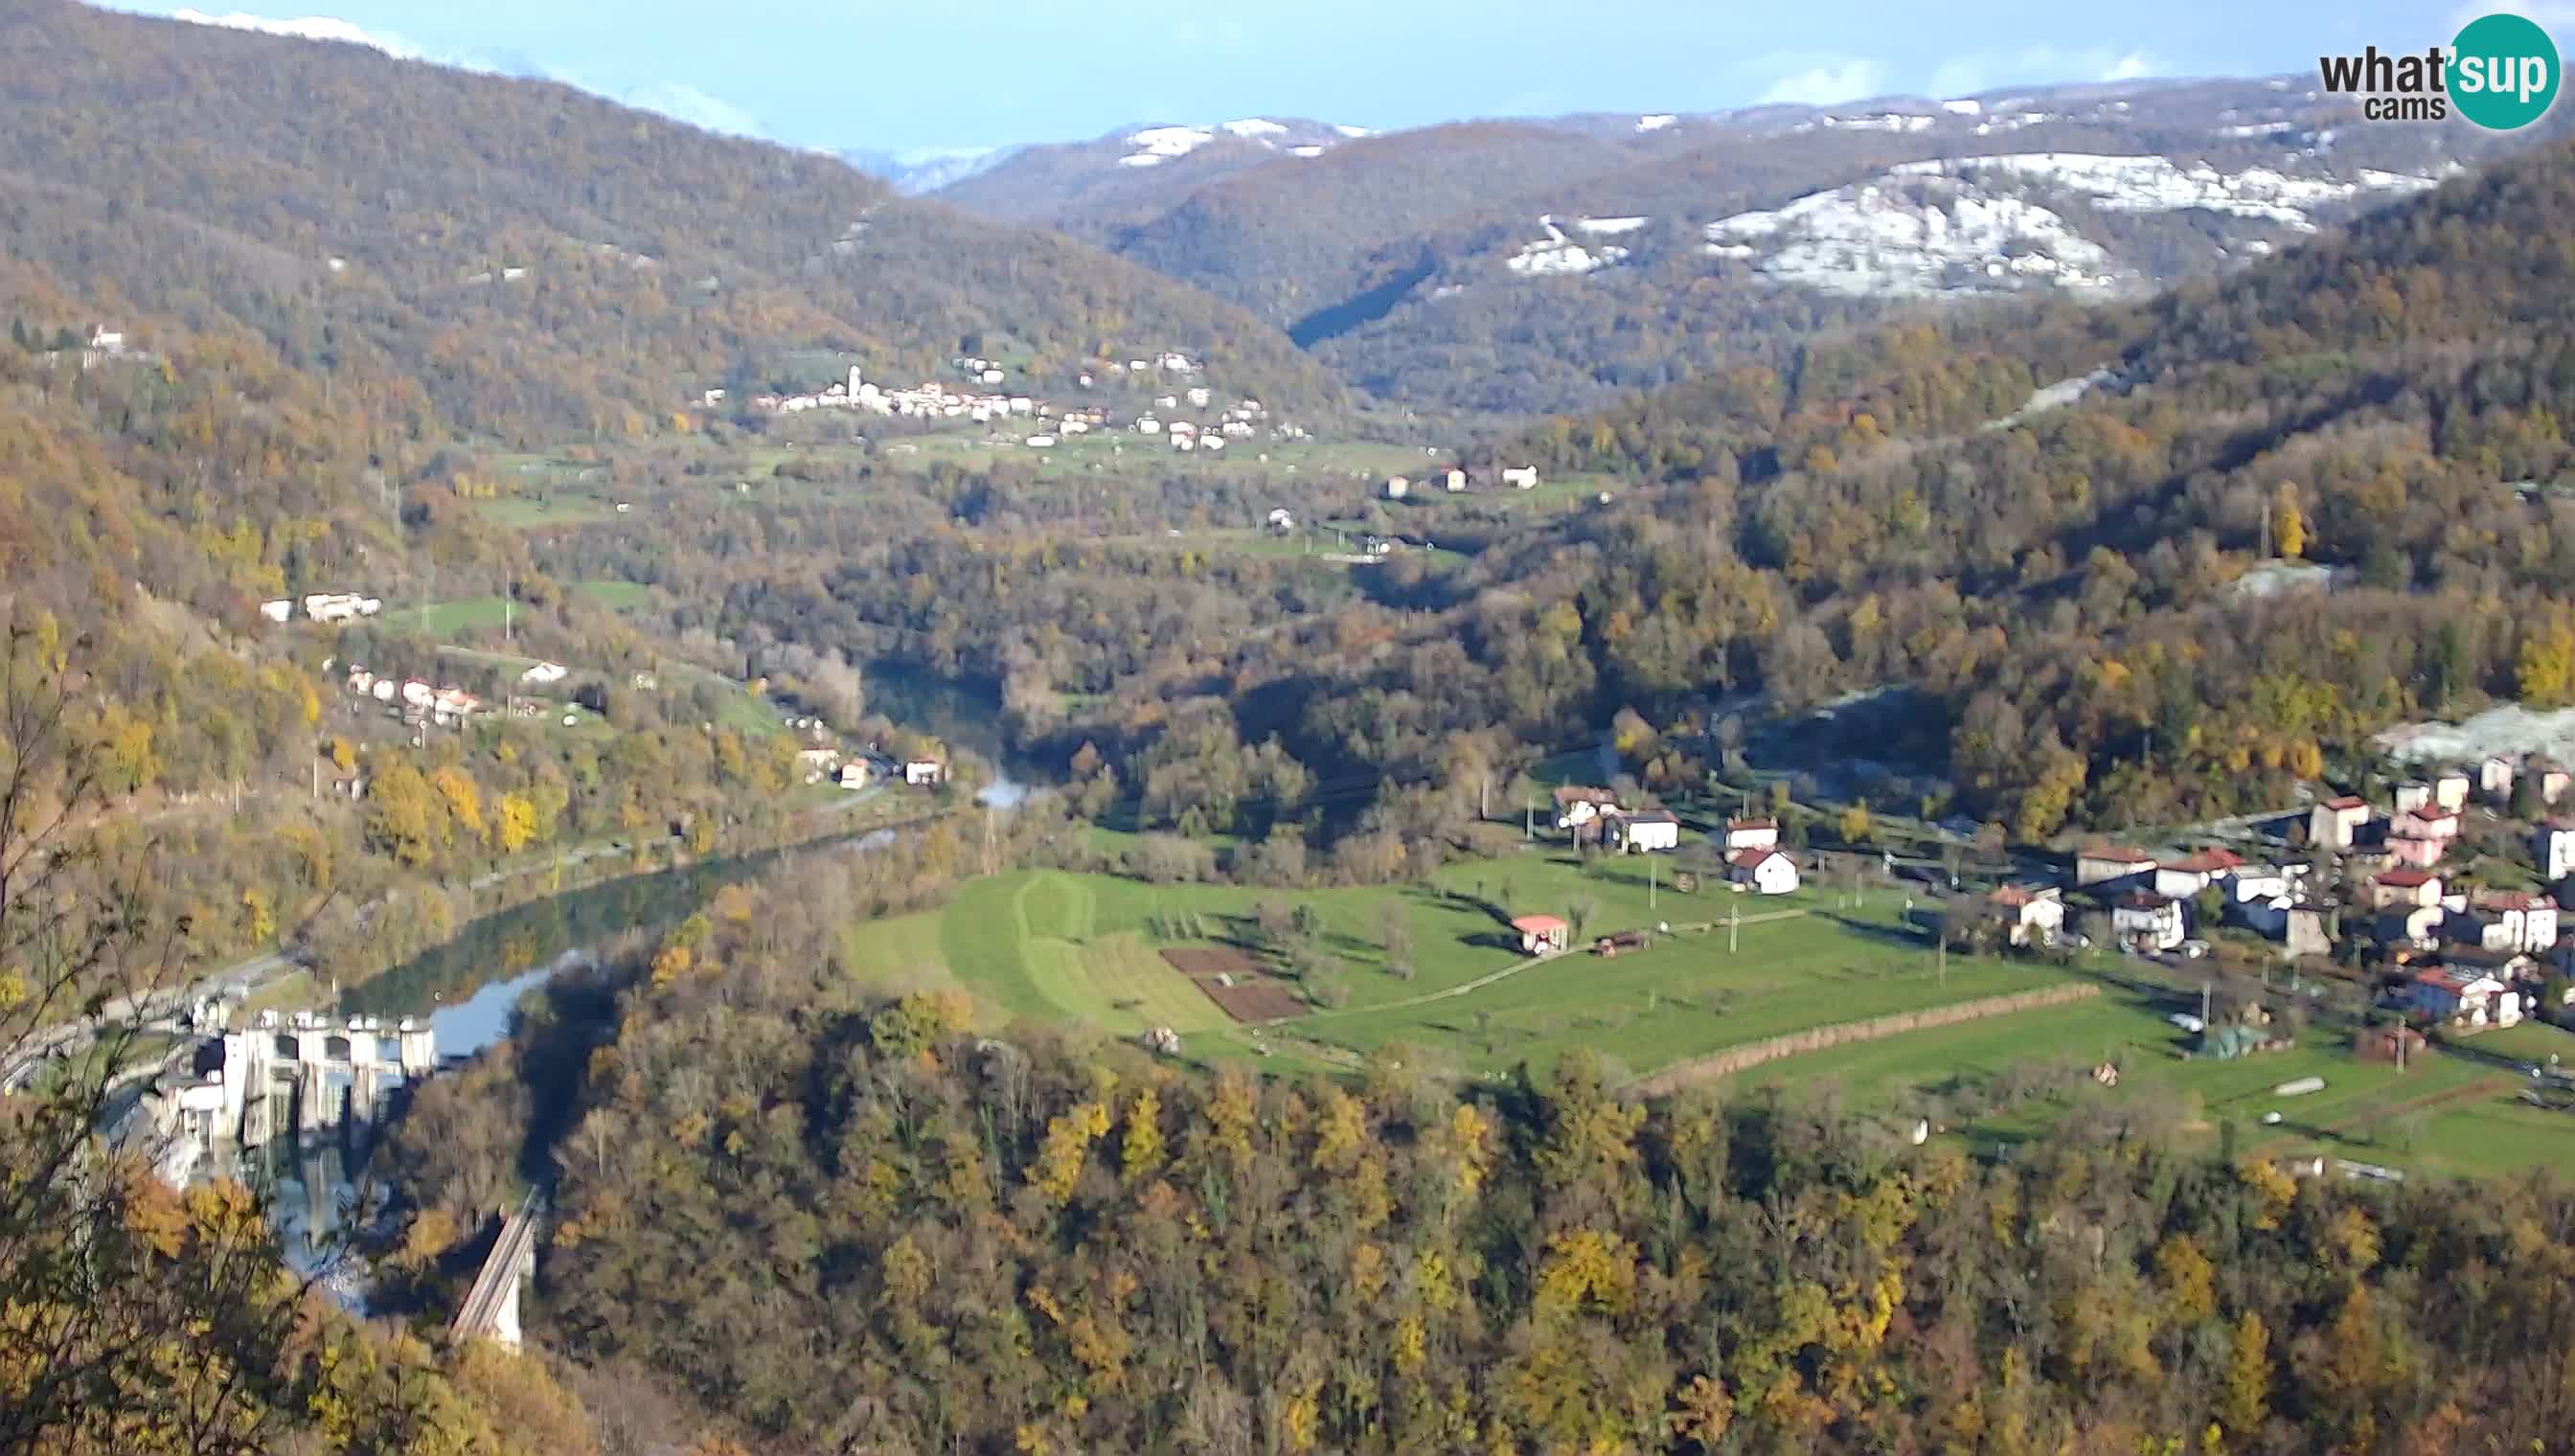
446,707
1455,480
860,768
331,607
1749,847
932,399
2458,955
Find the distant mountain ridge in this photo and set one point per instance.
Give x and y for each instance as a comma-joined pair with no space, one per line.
1553,263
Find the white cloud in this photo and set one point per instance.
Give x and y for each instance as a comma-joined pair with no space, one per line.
310,27
2038,65
2130,67
682,102
675,99
1841,78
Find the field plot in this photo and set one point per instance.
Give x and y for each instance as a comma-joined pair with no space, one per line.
1057,946
1236,983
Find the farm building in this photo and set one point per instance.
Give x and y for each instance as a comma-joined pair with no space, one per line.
1751,834
1576,805
1644,832
2108,863
2333,824
1767,872
2030,915
1542,934
2147,921
2464,995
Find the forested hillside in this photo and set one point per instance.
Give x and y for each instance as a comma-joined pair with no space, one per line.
544,263
1878,511
835,1222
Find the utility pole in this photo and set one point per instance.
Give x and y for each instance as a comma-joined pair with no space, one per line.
1943,936
1649,882
1733,926
2266,528
1529,819
2203,1003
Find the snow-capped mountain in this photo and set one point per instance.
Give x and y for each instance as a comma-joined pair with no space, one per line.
1112,175
928,169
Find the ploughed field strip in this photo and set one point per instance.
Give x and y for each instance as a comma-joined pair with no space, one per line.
1235,983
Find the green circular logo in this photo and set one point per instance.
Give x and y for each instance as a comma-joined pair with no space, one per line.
2503,71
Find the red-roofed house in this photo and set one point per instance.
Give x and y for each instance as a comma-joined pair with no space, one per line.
2415,854
2427,822
2189,875
1542,934
1769,872
2333,824
2110,861
2463,995
2030,915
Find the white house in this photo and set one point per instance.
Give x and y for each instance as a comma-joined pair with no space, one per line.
1751,834
2110,862
1213,444
2147,922
1198,396
2412,794
1767,872
2463,995
384,690
853,773
2450,790
921,771
2332,824
1645,831
1396,487
340,605
2030,915
2494,776
1148,425
990,376
416,693
1041,442
2519,922
277,610
1281,520
2186,876
1523,477
1576,805
544,672
1452,480
2555,851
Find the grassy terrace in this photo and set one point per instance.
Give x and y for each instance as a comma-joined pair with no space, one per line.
1049,946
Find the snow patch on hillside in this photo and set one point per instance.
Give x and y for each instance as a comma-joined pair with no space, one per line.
1252,127
2158,184
1559,254
1354,132
1608,227
1159,144
1304,151
1923,239
1963,107
310,27
1657,121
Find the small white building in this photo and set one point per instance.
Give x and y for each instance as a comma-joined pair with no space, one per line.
1396,487
2466,996
1148,425
921,772
1764,871
2107,863
1645,831
277,610
2030,915
853,773
2333,824
1041,442
2450,790
990,376
2148,922
2555,849
2412,794
1751,834
544,672
1281,520
1521,477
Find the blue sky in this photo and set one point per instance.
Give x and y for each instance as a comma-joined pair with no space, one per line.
902,74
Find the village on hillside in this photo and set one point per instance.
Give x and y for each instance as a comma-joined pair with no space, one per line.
2437,901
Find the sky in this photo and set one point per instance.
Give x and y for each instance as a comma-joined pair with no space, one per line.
902,75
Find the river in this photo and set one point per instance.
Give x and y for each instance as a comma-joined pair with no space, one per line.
469,989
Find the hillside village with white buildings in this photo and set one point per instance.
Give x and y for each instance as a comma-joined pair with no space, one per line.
1185,414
